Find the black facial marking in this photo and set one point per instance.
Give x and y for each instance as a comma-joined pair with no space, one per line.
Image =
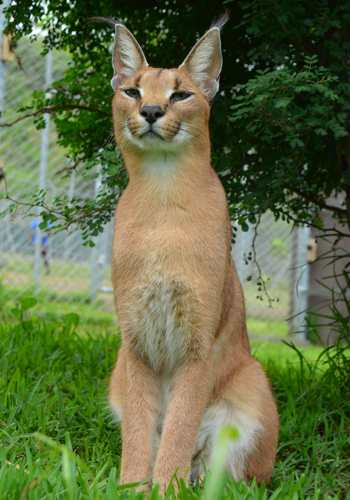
137,81
159,72
177,83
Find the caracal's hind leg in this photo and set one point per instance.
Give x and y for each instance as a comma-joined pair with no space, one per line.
246,403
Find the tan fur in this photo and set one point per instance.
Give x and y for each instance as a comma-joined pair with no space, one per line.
184,369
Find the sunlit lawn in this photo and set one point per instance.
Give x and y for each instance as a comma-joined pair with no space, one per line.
58,440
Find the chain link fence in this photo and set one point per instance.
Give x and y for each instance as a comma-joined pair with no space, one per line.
59,264
30,160
263,258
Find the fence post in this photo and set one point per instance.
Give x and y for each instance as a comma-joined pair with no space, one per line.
240,250
3,5
44,153
300,286
69,238
97,254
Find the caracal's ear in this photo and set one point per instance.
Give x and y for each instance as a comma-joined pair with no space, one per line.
204,62
128,56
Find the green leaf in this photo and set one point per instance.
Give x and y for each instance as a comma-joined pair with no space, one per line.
71,320
282,102
27,303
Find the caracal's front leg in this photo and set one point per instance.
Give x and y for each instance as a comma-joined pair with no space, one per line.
139,419
191,390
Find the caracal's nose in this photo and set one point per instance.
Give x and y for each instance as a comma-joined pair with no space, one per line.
151,113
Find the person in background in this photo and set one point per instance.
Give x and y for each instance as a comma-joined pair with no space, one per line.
44,250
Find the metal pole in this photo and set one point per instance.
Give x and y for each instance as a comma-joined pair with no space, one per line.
3,5
240,250
44,153
301,286
97,256
70,237
107,242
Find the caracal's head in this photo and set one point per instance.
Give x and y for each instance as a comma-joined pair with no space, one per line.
157,109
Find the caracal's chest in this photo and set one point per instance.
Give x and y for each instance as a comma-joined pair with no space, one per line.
155,297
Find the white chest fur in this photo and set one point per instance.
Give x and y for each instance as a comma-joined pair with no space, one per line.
161,322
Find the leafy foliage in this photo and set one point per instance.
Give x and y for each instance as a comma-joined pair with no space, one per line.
301,117
279,126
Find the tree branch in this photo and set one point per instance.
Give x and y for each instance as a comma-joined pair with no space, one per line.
316,200
52,109
261,281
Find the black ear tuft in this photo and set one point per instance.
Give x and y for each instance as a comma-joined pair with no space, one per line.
219,22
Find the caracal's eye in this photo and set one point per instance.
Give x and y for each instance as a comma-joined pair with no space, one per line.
132,92
180,95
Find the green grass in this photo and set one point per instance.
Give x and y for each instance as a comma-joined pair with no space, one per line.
282,355
259,327
53,306
58,440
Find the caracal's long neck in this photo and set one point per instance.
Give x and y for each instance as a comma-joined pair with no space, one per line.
170,177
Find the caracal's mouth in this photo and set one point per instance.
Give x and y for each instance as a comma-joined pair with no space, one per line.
156,136
151,133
